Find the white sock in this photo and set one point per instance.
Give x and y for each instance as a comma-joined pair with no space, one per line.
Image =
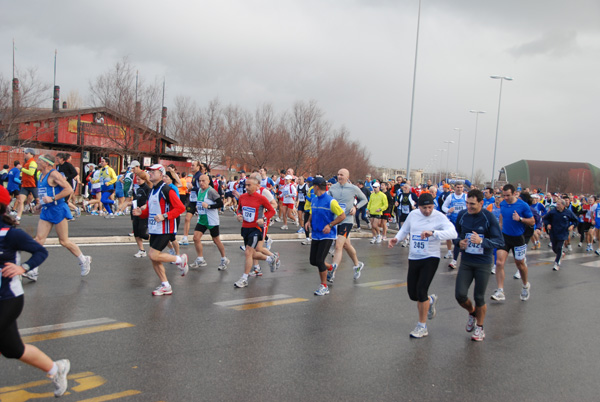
256,267
245,276
422,324
270,258
81,258
178,260
166,284
53,370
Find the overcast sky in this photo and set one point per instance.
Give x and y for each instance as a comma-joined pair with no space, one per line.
356,59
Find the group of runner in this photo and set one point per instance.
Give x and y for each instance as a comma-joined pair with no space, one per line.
479,227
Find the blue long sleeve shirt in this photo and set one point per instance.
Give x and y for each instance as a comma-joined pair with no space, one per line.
487,227
560,222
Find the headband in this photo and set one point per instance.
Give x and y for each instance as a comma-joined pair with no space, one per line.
48,161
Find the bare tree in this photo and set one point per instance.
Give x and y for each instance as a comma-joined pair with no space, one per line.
304,124
262,137
74,100
32,93
118,90
479,178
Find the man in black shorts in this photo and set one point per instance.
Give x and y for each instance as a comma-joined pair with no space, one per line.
345,193
208,204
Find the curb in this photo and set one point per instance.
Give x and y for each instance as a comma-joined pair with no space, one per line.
224,237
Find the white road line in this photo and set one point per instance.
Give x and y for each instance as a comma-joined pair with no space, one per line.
251,300
595,264
66,325
379,283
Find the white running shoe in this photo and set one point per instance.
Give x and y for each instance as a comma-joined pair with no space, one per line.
452,264
32,275
60,378
358,269
183,266
184,241
162,291
306,241
525,293
378,241
498,295
374,240
86,265
199,262
322,291
241,283
284,227
140,254
419,332
517,275
268,243
494,270
556,267
432,311
471,322
224,263
449,254
478,335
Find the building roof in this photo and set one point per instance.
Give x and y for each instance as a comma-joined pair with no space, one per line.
568,177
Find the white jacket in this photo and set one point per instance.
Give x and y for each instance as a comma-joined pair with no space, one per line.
416,223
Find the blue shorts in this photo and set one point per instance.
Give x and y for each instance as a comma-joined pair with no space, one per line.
119,194
55,213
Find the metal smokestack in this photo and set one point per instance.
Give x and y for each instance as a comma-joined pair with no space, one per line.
163,120
56,99
16,96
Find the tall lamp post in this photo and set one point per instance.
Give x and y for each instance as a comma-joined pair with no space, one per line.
412,102
441,151
477,113
501,78
448,158
458,148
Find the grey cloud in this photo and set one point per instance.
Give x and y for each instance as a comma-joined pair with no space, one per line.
556,44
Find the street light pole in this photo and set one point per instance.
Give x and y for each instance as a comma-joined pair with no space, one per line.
448,158
501,78
441,151
458,149
412,102
477,113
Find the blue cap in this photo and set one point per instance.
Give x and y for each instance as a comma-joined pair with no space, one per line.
309,179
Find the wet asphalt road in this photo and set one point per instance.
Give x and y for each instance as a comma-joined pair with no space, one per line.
352,345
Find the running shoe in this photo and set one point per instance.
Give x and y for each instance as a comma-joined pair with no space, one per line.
268,243
140,254
556,267
384,239
183,266
277,261
357,230
172,251
378,241
471,322
243,247
589,248
374,239
60,378
77,212
419,332
597,251
432,311
322,291
277,219
517,275
478,335
162,291
274,263
494,270
358,269
241,283
199,262
86,265
525,292
452,264
306,241
256,271
449,254
405,243
284,227
580,244
184,241
498,295
32,275
224,263
331,273
570,248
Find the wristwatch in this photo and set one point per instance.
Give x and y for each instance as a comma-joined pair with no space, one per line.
166,216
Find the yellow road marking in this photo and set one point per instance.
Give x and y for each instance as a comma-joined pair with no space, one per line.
75,332
392,286
112,396
267,304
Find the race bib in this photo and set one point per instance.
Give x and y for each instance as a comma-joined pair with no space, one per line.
201,210
343,206
520,252
153,226
473,248
419,245
249,214
405,209
41,194
459,207
193,196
